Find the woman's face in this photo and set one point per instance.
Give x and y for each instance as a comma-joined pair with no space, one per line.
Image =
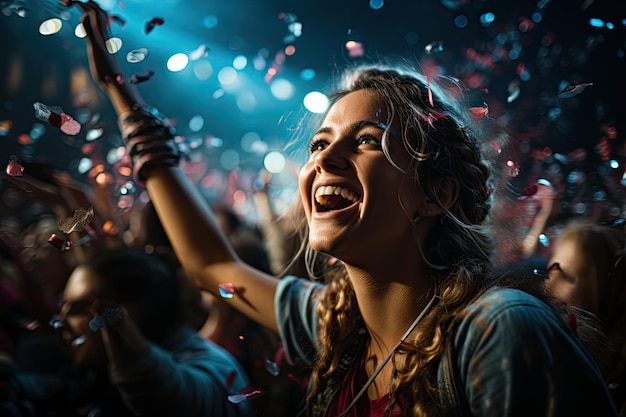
81,290
350,191
563,270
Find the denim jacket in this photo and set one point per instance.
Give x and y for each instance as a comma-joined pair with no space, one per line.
511,355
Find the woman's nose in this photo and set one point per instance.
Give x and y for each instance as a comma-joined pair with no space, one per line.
331,157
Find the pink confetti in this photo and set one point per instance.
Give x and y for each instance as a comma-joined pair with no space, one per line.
15,169
69,126
430,93
56,118
30,325
431,117
479,112
60,244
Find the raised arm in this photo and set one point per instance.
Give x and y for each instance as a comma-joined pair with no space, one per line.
201,247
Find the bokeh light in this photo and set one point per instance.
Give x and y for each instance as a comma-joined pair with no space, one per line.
316,102
177,62
274,162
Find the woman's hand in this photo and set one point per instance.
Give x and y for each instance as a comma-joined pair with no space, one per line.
105,68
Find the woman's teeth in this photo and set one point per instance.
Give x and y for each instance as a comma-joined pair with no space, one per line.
335,197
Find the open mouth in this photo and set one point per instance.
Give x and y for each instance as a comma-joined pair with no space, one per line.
331,197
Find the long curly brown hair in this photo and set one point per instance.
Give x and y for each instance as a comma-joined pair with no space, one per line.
442,138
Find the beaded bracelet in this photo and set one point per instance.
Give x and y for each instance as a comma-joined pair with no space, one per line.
149,140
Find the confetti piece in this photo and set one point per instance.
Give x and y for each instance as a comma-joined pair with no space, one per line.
248,393
573,90
140,78
79,221
227,290
431,117
430,92
69,126
60,244
137,55
55,117
157,21
479,112
50,26
200,52
272,367
113,45
30,324
15,169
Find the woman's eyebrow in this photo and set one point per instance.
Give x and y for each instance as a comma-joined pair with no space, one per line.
366,123
355,126
323,129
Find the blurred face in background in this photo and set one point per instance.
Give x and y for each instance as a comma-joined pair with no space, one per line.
82,289
564,269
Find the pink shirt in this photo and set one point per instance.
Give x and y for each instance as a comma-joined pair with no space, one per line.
351,385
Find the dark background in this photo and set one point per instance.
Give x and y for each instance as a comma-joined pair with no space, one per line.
541,47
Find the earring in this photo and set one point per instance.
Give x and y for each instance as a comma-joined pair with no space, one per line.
429,212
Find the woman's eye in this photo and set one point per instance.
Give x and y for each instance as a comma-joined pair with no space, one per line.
368,140
316,145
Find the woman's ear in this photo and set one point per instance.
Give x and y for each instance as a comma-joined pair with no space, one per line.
445,192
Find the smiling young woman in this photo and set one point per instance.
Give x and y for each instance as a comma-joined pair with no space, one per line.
413,320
